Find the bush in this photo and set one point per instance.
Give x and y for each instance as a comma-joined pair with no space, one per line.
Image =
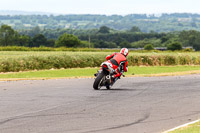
148,47
175,46
188,50
38,62
68,40
42,48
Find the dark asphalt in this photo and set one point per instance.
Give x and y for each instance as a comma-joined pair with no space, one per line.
134,105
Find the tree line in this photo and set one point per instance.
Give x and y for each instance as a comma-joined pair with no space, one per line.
10,37
146,22
104,37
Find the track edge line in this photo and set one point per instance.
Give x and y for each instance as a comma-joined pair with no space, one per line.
184,125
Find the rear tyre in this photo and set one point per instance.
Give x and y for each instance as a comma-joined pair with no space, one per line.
97,83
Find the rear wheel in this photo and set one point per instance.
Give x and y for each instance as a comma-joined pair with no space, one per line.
98,81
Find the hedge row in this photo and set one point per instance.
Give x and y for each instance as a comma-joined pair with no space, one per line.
48,62
66,61
164,60
21,48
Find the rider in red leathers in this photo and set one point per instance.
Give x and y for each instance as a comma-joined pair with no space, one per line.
119,59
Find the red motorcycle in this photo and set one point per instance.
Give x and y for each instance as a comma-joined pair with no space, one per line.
104,77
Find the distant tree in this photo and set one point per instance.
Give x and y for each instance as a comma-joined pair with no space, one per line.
174,46
112,45
68,40
8,36
104,29
135,29
36,30
190,38
164,39
125,44
141,43
86,44
152,32
163,23
148,47
100,44
104,44
24,40
39,40
180,24
193,24
50,43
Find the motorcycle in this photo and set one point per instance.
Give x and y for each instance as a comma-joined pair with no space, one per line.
104,76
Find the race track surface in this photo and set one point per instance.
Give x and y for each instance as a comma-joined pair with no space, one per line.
134,105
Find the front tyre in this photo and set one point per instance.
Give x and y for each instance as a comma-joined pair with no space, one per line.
99,79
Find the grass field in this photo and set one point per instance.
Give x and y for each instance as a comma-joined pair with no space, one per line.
193,128
88,72
18,54
23,54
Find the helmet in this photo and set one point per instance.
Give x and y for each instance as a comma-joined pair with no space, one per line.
124,51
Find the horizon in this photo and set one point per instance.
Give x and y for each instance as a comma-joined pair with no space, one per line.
24,12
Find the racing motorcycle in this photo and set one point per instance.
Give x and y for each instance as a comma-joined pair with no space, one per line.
104,76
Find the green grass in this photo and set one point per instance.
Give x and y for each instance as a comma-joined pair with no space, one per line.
160,69
81,72
193,128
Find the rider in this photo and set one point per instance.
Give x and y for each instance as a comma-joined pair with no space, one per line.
119,59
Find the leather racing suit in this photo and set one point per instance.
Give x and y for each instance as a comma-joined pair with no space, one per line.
118,59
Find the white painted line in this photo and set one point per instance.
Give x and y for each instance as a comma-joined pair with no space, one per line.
184,125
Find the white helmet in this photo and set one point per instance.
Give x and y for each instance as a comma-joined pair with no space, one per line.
124,51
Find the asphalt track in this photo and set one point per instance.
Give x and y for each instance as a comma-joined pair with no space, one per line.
134,105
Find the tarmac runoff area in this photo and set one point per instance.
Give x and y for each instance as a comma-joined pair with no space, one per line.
136,104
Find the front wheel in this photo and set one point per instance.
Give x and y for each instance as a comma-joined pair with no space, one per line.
97,83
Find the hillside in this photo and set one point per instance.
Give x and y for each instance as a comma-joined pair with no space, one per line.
147,23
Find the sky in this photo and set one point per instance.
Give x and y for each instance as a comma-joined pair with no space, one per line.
107,7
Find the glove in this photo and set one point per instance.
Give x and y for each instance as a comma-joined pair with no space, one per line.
113,76
107,57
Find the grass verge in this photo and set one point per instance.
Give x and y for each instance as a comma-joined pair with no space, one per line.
88,72
192,128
